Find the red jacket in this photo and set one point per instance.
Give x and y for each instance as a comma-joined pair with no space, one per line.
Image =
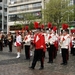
39,41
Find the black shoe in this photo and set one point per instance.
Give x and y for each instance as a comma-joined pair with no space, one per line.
10,51
65,63
62,64
41,68
73,54
50,62
31,68
27,59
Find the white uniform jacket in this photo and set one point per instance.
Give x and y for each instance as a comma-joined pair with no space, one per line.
27,39
65,41
19,39
46,35
52,39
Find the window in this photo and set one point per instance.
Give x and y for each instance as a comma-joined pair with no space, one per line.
37,14
22,7
5,26
36,5
12,1
13,9
15,17
12,17
71,2
26,6
19,17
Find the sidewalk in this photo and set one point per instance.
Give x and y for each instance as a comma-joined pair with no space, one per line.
9,65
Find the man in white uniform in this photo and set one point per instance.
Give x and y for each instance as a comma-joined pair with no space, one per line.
65,42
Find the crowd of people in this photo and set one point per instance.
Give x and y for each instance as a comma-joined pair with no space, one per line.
42,40
6,39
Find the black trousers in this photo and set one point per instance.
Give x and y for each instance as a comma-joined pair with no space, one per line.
10,46
73,51
5,42
64,55
51,53
1,46
55,52
38,56
48,50
27,51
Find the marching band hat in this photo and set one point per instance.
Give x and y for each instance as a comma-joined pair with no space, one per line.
54,28
42,26
73,31
36,25
26,27
65,28
49,25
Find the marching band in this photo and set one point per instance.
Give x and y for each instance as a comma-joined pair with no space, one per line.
42,41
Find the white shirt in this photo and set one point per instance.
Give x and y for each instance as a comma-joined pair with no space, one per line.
66,42
18,39
52,39
27,39
46,35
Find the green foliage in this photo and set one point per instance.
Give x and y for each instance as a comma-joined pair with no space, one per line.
17,24
58,11
27,19
31,26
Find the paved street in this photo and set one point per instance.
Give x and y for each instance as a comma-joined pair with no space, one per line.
9,65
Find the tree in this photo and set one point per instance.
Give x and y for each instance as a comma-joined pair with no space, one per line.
31,25
18,26
58,11
26,19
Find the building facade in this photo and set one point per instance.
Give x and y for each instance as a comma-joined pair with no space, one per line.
3,15
17,7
